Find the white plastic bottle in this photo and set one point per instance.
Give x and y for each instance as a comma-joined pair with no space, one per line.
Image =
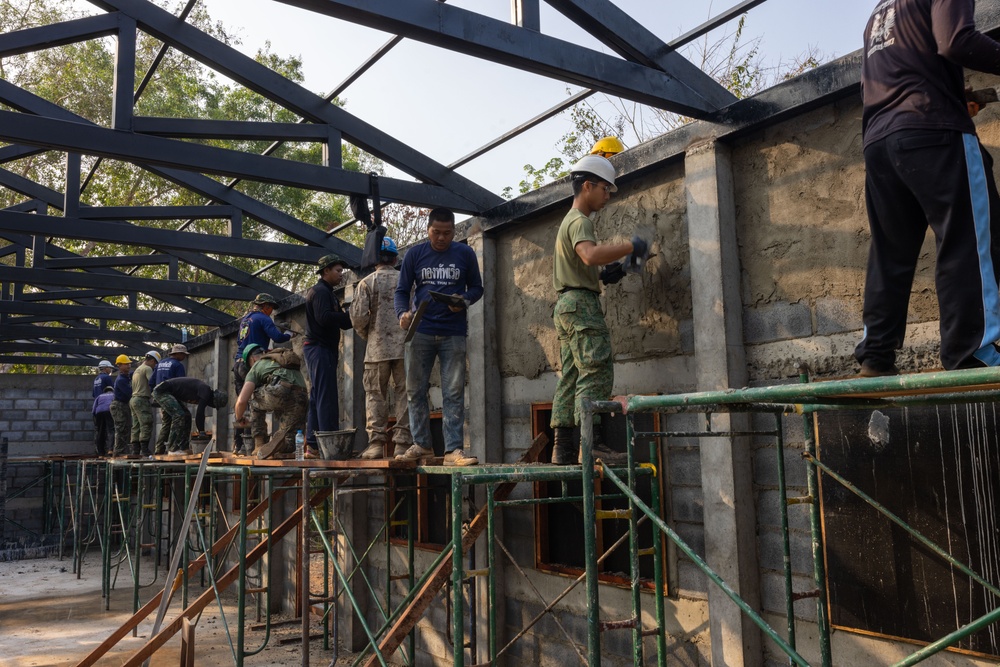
300,441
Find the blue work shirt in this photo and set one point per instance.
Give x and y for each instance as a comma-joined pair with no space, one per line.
123,387
258,328
453,271
101,382
166,369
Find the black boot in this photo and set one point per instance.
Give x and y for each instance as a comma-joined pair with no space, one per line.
603,452
564,448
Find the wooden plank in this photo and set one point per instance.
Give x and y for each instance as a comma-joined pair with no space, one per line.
223,582
420,603
193,568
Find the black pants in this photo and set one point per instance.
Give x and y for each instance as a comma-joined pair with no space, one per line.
104,432
916,178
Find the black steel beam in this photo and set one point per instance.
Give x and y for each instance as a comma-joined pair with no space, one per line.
630,39
72,311
190,128
71,294
110,232
151,286
287,93
61,348
208,187
13,331
157,212
173,153
714,22
57,34
49,361
111,260
467,32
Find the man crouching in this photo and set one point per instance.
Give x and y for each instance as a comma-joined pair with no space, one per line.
272,386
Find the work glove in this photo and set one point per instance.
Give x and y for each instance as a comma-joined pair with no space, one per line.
612,273
640,248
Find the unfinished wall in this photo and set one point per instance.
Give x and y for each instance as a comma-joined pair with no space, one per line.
42,415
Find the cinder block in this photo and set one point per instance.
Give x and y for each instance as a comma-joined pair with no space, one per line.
687,504
61,414
83,436
6,404
60,436
85,415
73,425
26,404
49,404
691,582
694,535
772,557
67,394
779,321
769,512
39,393
837,316
22,425
36,436
13,436
14,415
36,414
46,425
4,425
685,467
766,468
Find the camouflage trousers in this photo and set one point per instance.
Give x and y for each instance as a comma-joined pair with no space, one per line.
120,413
175,423
288,403
584,353
375,380
142,420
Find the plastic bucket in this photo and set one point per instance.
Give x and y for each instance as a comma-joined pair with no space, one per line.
336,445
198,444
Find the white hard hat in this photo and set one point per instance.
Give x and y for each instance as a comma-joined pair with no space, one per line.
598,166
154,354
104,363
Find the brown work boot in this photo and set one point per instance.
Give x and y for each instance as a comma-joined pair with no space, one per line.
604,453
375,450
457,457
564,450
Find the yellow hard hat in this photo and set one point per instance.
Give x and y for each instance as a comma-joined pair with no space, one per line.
606,146
122,359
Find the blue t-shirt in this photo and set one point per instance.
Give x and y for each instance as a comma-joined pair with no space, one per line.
257,327
101,382
454,271
123,387
103,403
166,369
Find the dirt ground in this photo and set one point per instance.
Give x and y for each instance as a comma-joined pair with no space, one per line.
50,617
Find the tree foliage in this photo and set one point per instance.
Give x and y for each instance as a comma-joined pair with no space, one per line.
733,60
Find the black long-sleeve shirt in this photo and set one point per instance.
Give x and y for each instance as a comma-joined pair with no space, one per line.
911,71
189,390
324,316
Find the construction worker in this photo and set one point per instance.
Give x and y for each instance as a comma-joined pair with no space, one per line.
171,395
269,387
607,146
924,166
325,318
171,367
104,424
103,379
443,266
584,339
374,319
257,328
119,406
139,404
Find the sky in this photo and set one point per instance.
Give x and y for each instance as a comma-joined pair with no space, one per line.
446,104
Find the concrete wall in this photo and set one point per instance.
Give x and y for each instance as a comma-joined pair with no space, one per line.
47,414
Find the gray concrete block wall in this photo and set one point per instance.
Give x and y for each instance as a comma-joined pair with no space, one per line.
42,415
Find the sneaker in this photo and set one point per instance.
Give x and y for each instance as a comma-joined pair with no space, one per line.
310,454
376,450
416,453
400,450
457,457
875,369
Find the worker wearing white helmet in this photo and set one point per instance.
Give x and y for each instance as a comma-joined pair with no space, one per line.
103,379
584,339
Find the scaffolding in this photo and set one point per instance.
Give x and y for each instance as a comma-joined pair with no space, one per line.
224,546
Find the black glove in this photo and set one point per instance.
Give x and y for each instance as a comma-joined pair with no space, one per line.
640,248
612,273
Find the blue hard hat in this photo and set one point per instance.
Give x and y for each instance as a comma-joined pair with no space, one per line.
388,245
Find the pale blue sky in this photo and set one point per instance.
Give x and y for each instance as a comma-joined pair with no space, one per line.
447,105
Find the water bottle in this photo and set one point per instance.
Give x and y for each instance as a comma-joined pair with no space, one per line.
300,441
184,334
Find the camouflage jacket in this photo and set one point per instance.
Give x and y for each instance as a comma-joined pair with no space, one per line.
374,317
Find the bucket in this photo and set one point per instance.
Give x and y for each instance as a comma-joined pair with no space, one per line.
198,444
336,445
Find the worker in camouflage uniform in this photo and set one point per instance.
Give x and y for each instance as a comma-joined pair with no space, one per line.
584,339
374,318
171,395
270,387
139,405
120,406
